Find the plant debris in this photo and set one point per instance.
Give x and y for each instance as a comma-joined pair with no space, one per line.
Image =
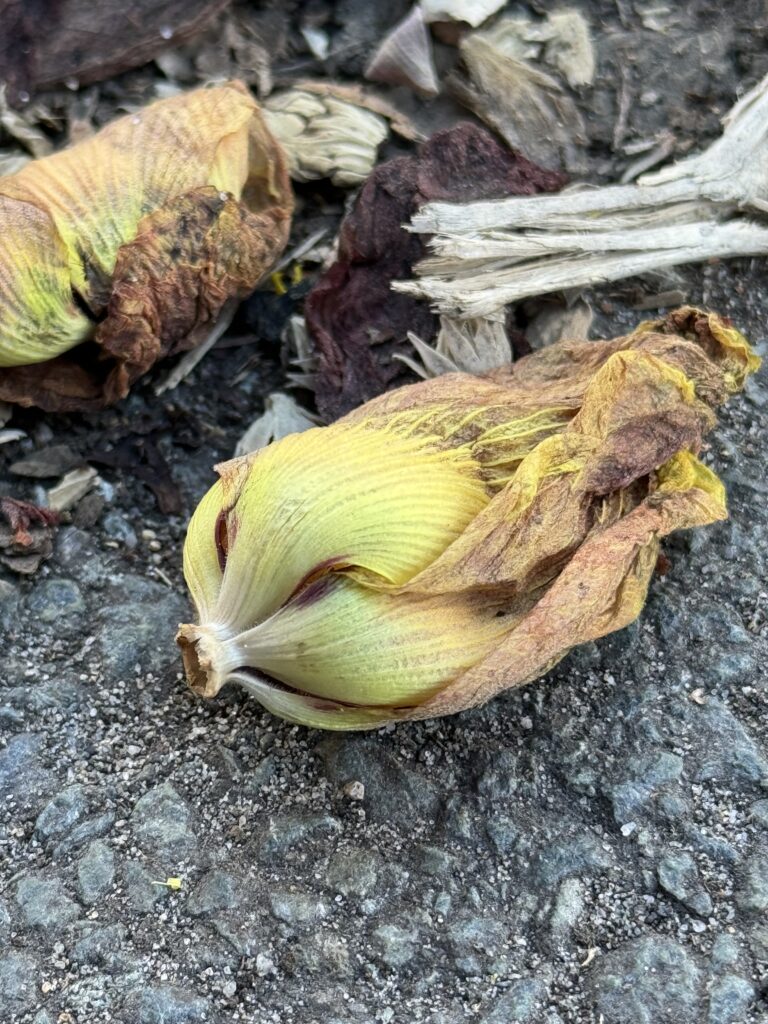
51,41
457,537
473,12
325,137
708,206
525,105
282,416
132,242
404,57
355,320
462,346
26,534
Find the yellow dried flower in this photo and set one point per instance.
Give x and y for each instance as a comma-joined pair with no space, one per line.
135,239
457,537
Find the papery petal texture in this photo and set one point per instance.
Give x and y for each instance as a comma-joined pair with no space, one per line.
143,233
454,538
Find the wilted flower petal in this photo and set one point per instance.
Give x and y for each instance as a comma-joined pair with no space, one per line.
145,229
454,538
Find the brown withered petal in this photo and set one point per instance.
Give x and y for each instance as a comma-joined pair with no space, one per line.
356,321
459,536
154,224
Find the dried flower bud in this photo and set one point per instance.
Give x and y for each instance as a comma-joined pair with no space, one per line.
134,238
325,137
453,538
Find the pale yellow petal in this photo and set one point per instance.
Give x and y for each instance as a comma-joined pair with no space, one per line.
340,496
98,191
342,641
38,318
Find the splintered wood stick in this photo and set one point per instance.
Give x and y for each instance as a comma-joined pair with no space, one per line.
712,205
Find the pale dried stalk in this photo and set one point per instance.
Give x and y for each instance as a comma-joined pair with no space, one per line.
488,254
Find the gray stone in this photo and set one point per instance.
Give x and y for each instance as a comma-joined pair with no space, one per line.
45,903
759,812
679,875
353,872
54,600
726,752
433,860
165,1004
297,908
101,947
91,828
647,775
162,823
324,954
127,636
504,832
651,980
752,894
285,831
218,890
61,813
497,776
142,893
19,983
119,529
96,871
725,952
394,945
474,942
10,604
729,1000
393,793
519,1004
576,855
568,908
5,923
23,780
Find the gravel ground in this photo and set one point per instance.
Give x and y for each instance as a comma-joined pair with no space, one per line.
592,848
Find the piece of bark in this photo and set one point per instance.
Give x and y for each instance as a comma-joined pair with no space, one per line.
356,321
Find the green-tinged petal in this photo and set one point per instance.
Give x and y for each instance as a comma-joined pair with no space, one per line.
202,564
340,496
314,712
98,191
342,641
38,318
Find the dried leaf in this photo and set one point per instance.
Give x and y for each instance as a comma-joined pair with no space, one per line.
405,57
558,322
473,12
569,46
526,106
282,416
50,41
456,537
467,346
325,137
51,461
26,534
355,320
22,129
135,239
71,488
358,95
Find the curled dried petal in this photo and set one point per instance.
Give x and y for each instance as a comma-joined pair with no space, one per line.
135,238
